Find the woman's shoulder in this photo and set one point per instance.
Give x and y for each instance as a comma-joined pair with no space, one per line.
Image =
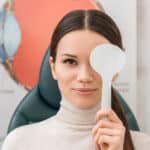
140,139
20,136
15,137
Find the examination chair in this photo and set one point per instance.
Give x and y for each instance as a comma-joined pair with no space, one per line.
43,101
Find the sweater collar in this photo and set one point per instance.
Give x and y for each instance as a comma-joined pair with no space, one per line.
76,117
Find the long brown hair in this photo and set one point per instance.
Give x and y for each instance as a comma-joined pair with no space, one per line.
102,24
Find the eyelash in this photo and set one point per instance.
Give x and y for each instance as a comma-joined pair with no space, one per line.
70,61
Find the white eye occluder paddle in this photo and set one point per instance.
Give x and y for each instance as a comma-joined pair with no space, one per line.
107,60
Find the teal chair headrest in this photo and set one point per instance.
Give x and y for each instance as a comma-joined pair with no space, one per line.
47,85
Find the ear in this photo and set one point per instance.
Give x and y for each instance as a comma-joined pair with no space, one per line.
115,77
52,64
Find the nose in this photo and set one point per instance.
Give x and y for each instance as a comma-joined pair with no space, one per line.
85,74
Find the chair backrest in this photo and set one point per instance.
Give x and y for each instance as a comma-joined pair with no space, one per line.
43,101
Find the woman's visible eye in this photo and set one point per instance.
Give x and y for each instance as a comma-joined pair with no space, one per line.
70,61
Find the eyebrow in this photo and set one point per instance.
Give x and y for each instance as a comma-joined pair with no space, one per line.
70,55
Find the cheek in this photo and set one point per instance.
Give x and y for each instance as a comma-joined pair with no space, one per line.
65,77
65,74
98,79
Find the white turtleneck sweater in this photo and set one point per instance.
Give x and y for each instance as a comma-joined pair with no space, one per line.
69,129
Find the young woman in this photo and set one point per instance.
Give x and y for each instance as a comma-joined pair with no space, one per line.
79,123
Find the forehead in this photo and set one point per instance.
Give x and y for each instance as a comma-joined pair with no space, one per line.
80,42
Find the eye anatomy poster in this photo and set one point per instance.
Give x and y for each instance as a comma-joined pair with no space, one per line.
25,31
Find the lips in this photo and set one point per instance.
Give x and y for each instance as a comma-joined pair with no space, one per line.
84,91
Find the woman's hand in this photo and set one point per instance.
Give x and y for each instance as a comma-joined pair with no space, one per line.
109,132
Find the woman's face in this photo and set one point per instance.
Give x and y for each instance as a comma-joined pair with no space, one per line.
77,80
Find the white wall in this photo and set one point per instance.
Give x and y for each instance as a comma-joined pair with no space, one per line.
10,95
143,61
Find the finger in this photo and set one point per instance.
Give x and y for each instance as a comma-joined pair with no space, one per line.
96,139
107,124
112,116
109,132
97,147
109,140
